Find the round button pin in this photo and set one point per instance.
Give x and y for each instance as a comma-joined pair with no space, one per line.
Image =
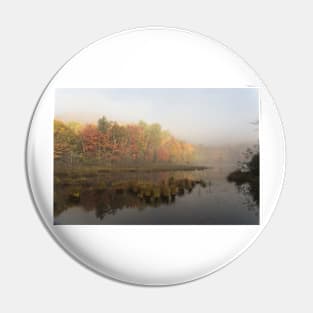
155,156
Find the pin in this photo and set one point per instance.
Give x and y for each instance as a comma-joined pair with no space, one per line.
155,156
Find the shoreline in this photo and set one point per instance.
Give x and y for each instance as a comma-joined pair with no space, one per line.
92,170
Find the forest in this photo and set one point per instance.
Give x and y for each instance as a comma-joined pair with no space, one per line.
113,144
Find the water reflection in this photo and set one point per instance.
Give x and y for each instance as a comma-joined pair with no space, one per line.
108,197
197,197
247,180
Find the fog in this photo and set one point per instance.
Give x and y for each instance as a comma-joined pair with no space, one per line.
211,117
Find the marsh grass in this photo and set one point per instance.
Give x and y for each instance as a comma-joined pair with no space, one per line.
119,193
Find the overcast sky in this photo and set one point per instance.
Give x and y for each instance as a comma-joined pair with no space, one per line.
200,116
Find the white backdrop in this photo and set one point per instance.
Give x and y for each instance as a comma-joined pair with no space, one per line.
275,273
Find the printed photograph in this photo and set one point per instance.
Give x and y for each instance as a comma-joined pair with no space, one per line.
156,156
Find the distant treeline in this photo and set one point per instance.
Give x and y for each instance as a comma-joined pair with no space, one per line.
109,142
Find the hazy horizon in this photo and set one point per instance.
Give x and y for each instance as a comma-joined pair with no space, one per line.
214,116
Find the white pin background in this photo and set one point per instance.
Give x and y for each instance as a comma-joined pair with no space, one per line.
159,58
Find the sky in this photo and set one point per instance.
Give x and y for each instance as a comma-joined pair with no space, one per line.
208,116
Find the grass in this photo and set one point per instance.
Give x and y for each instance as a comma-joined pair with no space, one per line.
88,171
144,190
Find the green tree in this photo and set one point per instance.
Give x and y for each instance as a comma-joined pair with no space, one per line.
103,124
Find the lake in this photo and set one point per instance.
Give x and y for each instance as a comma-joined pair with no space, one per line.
199,197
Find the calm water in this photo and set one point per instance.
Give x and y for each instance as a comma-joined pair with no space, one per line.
214,201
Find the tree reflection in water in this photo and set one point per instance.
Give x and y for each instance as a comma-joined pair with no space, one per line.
247,179
107,198
182,197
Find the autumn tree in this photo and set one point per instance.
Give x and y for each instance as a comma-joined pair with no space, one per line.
74,126
111,142
90,137
65,142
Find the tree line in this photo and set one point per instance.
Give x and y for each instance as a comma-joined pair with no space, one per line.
109,142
